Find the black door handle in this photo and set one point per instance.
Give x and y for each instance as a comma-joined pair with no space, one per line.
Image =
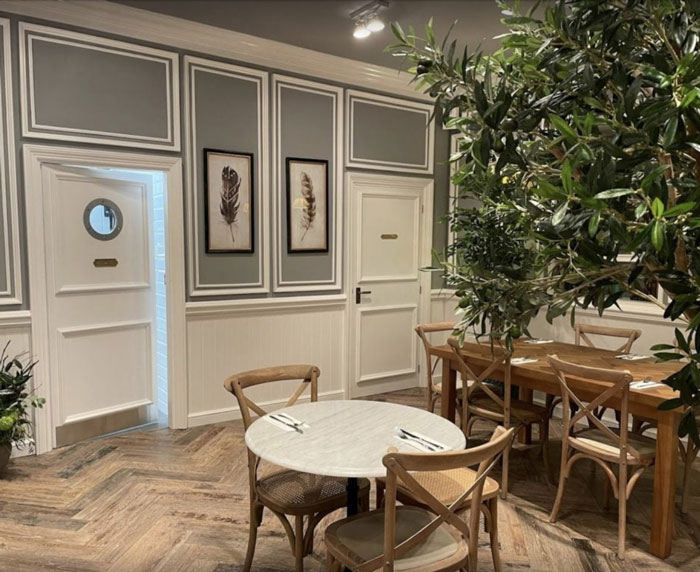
358,294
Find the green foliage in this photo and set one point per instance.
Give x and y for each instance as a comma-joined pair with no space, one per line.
579,140
16,400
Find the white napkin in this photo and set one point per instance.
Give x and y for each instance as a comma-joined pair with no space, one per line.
522,360
537,341
632,357
417,444
645,384
284,426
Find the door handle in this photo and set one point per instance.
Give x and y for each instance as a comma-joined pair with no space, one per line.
358,294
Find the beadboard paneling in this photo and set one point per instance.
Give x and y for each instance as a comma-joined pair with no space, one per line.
239,339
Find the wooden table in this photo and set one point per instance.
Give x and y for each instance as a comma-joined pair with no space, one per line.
642,403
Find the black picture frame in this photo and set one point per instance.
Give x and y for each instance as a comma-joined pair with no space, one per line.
291,247
211,248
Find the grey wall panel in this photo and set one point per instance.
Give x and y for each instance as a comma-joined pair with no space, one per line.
86,88
226,117
306,127
389,134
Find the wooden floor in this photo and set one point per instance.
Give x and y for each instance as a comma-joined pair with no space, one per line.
176,501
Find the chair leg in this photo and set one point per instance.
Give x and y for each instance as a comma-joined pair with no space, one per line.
690,453
299,544
332,565
544,440
622,515
505,463
563,476
606,493
493,533
256,511
363,503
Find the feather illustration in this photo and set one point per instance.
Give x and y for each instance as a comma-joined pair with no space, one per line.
230,184
307,191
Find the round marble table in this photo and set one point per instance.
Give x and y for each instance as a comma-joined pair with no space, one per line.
346,438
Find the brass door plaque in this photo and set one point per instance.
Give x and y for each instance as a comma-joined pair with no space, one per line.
390,236
105,262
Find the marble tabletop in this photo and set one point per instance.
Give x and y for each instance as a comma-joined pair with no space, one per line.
346,438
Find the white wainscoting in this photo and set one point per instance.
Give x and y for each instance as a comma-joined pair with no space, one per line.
227,337
16,328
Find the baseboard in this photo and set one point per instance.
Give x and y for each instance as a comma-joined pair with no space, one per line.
233,413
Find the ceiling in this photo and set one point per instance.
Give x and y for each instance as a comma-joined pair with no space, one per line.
325,25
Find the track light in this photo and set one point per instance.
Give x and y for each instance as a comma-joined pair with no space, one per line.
375,25
367,18
361,31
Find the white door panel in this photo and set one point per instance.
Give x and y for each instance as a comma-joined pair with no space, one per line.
74,250
387,234
100,295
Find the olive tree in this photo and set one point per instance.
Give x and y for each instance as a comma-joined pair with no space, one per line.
579,139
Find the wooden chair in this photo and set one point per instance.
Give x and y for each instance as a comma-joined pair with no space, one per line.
285,492
447,486
601,444
429,538
689,452
479,401
434,390
581,333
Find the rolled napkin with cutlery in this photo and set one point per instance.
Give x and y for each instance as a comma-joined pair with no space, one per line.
420,441
646,384
522,360
286,422
537,341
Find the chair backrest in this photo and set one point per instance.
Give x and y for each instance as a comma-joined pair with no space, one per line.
423,330
465,363
400,466
237,384
582,331
615,385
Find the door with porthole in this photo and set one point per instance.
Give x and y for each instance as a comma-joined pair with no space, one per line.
101,300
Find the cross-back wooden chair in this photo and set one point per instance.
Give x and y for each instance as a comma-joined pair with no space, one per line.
581,337
434,390
429,538
601,444
479,401
689,452
286,492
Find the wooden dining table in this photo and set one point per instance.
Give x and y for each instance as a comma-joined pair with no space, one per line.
642,403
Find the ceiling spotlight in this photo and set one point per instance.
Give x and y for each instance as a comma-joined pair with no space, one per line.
375,24
361,31
367,18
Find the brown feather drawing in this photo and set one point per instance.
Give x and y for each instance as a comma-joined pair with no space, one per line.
230,184
309,213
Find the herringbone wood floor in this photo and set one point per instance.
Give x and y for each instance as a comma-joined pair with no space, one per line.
176,501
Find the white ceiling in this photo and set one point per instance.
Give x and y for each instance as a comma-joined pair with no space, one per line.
325,25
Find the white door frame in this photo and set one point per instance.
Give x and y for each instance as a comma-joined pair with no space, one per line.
355,180
35,156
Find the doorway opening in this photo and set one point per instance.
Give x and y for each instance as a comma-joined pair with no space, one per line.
118,304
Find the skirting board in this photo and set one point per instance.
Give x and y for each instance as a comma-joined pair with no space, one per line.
233,413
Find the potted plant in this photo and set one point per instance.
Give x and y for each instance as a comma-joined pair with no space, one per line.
16,401
580,141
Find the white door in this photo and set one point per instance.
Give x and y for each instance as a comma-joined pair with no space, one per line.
388,236
100,299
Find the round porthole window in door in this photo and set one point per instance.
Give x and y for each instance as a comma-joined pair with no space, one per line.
103,219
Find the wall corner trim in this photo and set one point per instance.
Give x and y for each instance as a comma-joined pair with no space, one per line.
212,309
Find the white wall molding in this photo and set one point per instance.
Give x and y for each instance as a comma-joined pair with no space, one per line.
279,83
137,24
234,412
8,193
352,96
19,318
35,157
32,128
263,305
197,288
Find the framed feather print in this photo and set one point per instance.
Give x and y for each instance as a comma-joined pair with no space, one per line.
307,205
229,205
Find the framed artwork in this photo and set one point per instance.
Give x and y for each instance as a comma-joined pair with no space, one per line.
229,205
307,205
